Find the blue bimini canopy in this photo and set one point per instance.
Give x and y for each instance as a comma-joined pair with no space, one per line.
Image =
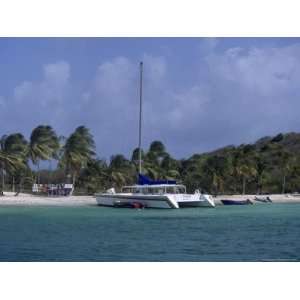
145,180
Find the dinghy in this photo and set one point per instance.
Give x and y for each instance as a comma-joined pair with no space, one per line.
236,202
263,199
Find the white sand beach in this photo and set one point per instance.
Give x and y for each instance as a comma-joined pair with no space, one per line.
28,199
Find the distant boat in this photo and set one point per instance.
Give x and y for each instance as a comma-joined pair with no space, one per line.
263,199
295,194
236,202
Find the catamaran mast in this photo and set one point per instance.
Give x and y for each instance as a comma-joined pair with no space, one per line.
140,121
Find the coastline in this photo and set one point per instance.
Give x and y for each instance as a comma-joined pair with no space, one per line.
276,198
32,200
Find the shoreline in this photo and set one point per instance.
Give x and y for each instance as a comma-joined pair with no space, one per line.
36,200
276,198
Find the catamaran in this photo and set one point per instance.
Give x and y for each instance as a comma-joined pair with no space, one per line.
154,194
150,193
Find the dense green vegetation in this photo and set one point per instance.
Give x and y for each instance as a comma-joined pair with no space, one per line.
271,165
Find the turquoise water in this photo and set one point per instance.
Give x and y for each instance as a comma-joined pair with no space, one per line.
266,232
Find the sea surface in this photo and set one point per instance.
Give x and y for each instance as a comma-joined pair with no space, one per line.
264,232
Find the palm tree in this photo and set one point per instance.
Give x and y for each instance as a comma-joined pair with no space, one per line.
94,177
77,151
43,145
12,155
283,159
260,167
16,144
216,167
157,147
151,170
135,157
157,152
121,171
153,160
170,167
246,171
244,164
285,162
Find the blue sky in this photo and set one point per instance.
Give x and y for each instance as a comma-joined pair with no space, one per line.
199,93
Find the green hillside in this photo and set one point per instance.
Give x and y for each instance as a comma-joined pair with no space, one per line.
270,165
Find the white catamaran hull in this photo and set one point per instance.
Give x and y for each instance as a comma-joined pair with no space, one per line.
157,201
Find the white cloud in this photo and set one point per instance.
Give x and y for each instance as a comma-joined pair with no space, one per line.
41,101
23,90
267,71
86,97
188,106
50,90
238,95
57,73
155,69
207,45
237,99
114,77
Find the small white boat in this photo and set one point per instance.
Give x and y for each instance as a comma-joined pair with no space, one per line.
154,195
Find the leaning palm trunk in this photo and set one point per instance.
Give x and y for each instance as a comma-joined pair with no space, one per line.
283,183
38,173
234,187
258,186
2,179
20,187
244,185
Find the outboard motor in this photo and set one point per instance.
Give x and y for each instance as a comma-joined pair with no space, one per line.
111,191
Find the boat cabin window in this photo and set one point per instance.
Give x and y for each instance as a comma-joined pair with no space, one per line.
159,190
180,190
166,189
170,190
154,190
128,190
175,190
145,191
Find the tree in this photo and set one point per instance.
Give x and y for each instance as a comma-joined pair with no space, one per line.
278,138
153,160
12,155
119,162
157,147
193,172
135,157
244,164
170,167
93,177
216,168
77,152
260,165
121,171
285,165
15,144
43,145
